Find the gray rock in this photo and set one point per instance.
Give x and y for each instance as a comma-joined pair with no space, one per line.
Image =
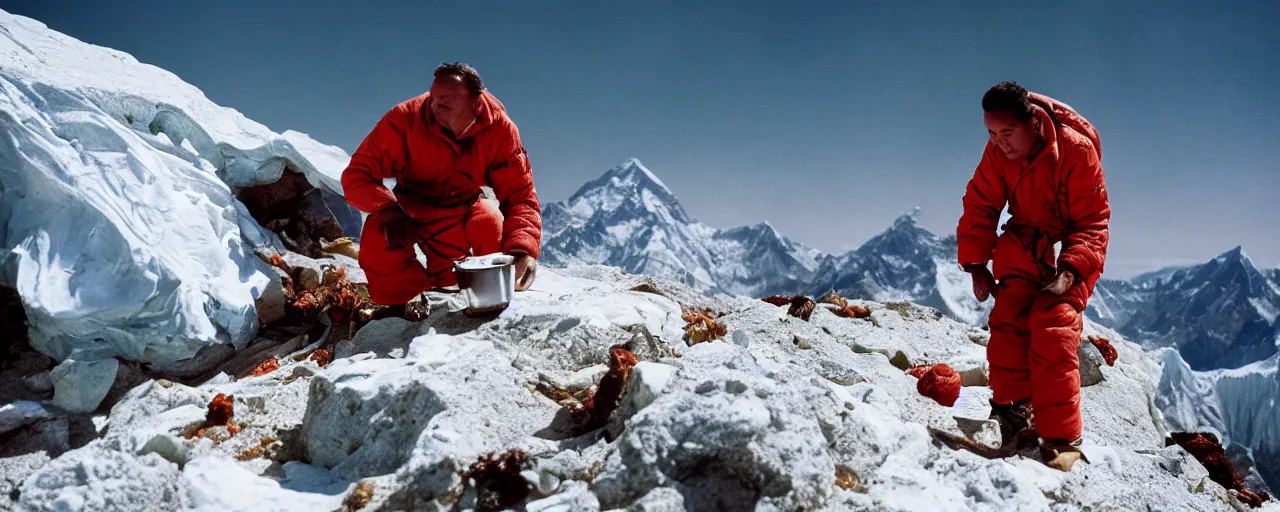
573,497
802,342
838,373
96,478
168,446
660,499
79,386
648,381
735,387
21,413
1091,363
972,370
705,387
986,432
364,421
382,337
271,303
40,382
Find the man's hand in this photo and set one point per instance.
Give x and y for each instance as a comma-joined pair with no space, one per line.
526,270
397,227
984,284
1061,283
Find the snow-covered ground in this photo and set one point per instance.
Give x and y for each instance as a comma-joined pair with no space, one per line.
123,235
763,419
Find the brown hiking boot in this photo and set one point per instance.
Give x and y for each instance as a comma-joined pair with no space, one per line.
1014,419
1061,454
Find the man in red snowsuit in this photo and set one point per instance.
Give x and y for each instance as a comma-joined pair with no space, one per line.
441,147
1043,161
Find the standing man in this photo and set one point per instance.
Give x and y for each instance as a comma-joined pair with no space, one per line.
441,147
1043,160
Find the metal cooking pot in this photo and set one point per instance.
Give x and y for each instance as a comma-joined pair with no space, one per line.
488,281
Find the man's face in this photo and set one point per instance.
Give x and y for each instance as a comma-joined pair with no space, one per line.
1015,138
450,100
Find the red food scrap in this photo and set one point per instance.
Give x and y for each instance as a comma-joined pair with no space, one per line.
337,296
605,399
777,300
1104,346
322,356
221,409
918,370
801,307
941,383
701,326
1206,449
1253,499
498,482
265,367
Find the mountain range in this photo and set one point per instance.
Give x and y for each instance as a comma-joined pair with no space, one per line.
1221,314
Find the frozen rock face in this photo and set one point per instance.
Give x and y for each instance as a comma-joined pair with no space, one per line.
1237,405
753,421
119,223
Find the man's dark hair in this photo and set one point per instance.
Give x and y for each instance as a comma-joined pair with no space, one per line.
1008,98
469,76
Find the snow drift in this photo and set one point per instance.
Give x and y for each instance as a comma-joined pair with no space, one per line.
119,222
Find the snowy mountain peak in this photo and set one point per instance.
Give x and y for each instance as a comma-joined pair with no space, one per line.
629,219
1236,254
633,167
629,191
908,218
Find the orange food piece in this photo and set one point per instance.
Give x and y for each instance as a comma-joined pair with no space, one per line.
853,311
605,399
322,356
265,367
221,409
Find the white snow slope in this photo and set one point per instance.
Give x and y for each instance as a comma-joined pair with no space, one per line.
764,419
118,221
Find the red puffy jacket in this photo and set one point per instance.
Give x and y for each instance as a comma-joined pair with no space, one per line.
434,171
1061,192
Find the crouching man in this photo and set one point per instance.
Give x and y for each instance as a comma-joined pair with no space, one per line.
441,147
1043,160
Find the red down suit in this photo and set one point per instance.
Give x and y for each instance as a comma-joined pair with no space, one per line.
1059,196
438,179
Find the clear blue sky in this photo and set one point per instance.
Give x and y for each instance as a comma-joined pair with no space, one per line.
827,119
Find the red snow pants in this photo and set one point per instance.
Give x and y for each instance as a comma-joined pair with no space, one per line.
1035,334
445,235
